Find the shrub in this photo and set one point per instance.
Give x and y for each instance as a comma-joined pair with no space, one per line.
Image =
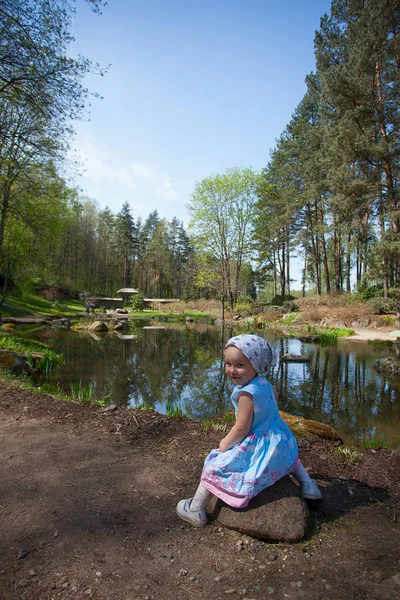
382,306
60,306
290,306
136,302
280,300
243,307
367,291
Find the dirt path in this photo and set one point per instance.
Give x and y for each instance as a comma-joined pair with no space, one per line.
368,334
88,511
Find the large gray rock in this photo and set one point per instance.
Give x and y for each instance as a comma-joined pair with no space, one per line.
98,326
14,363
361,322
277,514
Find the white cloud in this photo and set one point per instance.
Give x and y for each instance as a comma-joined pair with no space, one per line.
112,179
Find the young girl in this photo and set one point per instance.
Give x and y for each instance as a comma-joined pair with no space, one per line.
260,448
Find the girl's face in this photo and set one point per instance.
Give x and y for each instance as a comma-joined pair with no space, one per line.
238,367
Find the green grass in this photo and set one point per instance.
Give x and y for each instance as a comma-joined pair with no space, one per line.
289,319
375,443
17,305
81,394
329,335
173,409
389,319
143,406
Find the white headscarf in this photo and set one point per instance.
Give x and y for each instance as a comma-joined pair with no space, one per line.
257,350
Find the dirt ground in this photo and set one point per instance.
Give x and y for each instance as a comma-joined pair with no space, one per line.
88,511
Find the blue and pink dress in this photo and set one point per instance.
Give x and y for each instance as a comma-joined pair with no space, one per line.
267,453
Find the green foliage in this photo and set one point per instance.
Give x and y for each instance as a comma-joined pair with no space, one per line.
375,443
280,300
382,306
389,319
243,307
136,302
144,406
290,306
173,409
81,394
329,335
84,395
46,364
348,454
366,291
221,211
288,320
60,306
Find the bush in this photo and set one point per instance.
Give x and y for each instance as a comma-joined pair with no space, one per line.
382,306
136,302
274,308
280,300
243,307
289,306
60,306
367,292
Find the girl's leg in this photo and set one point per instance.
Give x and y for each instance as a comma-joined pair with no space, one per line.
192,509
309,488
200,499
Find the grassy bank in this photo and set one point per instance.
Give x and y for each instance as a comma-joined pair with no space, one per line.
17,305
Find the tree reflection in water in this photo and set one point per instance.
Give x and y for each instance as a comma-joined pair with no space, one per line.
184,364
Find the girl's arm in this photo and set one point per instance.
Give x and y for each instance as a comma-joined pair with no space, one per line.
243,423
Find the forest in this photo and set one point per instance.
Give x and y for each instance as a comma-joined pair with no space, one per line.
328,195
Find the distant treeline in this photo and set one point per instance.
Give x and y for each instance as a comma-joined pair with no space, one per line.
328,196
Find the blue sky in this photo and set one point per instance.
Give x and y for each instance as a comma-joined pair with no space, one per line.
195,87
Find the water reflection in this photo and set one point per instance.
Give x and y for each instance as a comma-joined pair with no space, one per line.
184,364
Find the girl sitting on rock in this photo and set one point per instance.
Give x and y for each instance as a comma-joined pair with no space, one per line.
260,448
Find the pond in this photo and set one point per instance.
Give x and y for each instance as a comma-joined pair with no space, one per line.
182,365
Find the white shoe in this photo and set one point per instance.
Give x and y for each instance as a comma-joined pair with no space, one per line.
197,518
310,490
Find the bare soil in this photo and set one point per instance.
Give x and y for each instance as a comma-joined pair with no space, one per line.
88,511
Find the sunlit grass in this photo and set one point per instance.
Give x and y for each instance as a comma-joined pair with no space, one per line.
375,443
17,305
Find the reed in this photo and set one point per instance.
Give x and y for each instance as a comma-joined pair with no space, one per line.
375,443
81,394
173,409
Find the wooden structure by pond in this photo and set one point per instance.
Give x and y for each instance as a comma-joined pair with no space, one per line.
99,301
155,303
126,293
